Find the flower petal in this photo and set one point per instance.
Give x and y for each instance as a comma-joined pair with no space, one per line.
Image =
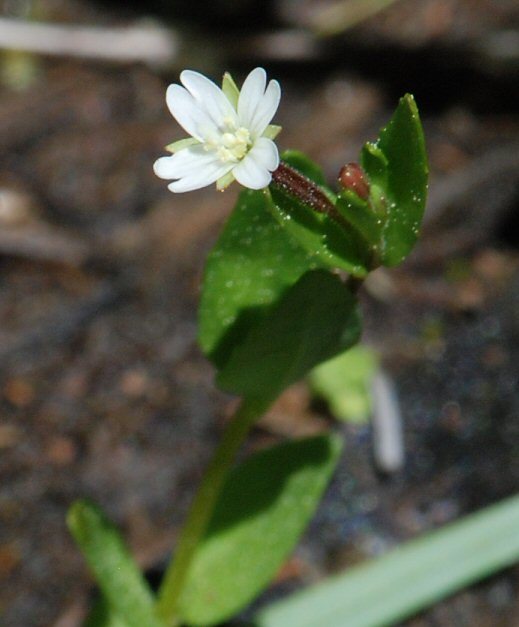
265,152
189,114
266,109
209,96
250,95
201,178
183,163
255,169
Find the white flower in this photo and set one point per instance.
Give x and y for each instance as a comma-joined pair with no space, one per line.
231,135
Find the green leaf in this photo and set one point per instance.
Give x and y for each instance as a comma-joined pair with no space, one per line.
306,166
115,571
375,164
102,616
402,182
266,504
361,216
344,382
316,319
388,590
334,245
253,262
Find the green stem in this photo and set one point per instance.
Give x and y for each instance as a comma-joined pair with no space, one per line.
203,506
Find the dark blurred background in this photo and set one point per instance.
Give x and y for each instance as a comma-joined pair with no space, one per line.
103,392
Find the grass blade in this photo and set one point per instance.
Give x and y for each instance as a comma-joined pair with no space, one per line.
410,578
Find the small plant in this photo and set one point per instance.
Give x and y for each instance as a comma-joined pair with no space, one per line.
278,299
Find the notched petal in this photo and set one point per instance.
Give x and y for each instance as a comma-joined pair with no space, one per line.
251,93
209,96
252,174
266,108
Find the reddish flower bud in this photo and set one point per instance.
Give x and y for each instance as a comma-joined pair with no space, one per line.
352,177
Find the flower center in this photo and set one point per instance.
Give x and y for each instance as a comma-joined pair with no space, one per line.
232,144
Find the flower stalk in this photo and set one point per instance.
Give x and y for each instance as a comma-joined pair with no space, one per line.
203,506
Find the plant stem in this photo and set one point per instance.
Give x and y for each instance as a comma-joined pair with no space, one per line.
203,506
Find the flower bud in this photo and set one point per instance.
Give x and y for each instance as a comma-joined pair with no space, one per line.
352,177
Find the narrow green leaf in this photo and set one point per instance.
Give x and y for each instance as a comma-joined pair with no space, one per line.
115,571
404,184
263,509
388,590
316,319
253,262
344,382
102,616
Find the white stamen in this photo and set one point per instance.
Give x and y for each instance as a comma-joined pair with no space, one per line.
230,146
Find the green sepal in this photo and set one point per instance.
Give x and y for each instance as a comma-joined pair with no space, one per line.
272,131
181,144
224,181
230,89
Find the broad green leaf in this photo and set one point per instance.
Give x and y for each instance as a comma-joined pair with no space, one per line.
253,262
402,183
115,571
316,319
266,504
388,590
344,382
335,245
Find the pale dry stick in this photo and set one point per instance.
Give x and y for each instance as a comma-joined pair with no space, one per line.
43,243
388,438
328,19
147,42
280,45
